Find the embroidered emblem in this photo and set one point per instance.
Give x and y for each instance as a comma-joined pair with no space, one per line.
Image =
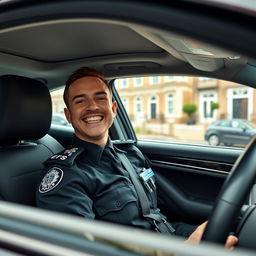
67,153
52,178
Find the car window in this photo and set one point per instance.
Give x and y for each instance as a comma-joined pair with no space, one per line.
237,124
183,109
58,105
224,123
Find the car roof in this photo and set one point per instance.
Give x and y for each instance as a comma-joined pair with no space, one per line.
54,41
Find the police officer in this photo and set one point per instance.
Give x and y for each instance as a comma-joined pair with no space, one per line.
90,179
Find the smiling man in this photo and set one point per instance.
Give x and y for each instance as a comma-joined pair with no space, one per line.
90,180
90,109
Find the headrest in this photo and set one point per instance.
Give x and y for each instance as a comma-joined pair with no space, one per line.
25,109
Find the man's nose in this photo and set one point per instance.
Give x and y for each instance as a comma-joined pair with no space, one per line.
92,105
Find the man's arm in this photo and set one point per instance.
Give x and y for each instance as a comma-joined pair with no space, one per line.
64,190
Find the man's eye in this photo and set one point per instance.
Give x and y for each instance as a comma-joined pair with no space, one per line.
101,98
79,101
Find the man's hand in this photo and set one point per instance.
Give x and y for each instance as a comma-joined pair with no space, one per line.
196,237
231,242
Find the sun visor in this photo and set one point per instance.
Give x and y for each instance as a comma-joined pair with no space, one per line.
204,63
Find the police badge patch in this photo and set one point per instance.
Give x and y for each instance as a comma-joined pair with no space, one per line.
51,179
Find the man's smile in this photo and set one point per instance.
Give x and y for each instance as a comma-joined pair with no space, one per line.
93,119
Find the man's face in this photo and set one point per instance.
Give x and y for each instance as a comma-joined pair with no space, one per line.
90,109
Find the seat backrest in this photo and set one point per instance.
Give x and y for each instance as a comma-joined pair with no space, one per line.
25,118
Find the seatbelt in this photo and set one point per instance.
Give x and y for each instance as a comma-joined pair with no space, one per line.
158,220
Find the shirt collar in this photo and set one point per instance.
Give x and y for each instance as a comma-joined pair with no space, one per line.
93,151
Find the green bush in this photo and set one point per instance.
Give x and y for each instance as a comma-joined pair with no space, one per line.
214,105
189,109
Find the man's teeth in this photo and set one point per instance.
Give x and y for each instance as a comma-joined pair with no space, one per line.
93,119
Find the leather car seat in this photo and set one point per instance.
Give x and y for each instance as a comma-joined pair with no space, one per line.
25,118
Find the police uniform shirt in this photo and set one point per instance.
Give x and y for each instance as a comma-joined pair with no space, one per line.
89,180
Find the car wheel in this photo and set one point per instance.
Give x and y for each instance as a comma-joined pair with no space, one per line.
214,140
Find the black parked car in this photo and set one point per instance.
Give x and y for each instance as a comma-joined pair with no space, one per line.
230,132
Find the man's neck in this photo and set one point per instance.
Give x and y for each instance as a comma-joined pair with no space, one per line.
98,141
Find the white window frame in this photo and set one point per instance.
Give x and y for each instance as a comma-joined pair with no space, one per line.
168,114
137,100
248,95
123,83
151,80
208,101
136,83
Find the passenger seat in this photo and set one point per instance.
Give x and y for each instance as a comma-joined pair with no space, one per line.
25,118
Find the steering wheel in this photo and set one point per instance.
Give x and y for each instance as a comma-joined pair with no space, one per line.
232,196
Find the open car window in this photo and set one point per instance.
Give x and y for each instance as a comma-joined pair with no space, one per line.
193,110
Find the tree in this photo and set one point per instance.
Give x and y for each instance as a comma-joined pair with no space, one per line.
190,109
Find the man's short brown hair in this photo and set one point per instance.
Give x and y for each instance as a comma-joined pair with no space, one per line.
79,73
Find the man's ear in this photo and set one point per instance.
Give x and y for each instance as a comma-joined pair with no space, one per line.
67,114
114,107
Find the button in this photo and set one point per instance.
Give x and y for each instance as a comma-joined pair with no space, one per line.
117,203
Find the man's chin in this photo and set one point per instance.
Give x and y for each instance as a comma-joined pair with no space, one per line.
93,137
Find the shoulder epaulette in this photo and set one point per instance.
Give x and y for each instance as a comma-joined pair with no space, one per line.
123,142
122,145
65,157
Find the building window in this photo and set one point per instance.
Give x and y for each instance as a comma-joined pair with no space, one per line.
240,103
170,104
153,105
139,115
138,107
154,80
206,99
137,81
123,83
168,78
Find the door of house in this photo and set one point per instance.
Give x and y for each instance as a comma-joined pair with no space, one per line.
205,112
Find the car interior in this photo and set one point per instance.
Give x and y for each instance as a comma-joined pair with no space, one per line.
42,44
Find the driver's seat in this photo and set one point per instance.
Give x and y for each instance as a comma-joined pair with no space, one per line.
25,117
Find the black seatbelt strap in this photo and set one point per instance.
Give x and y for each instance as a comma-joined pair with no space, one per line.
158,220
138,186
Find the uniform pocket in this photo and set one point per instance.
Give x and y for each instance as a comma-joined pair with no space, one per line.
117,205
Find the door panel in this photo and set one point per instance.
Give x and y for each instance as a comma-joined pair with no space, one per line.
189,177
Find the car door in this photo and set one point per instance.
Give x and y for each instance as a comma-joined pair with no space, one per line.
224,131
239,132
188,177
